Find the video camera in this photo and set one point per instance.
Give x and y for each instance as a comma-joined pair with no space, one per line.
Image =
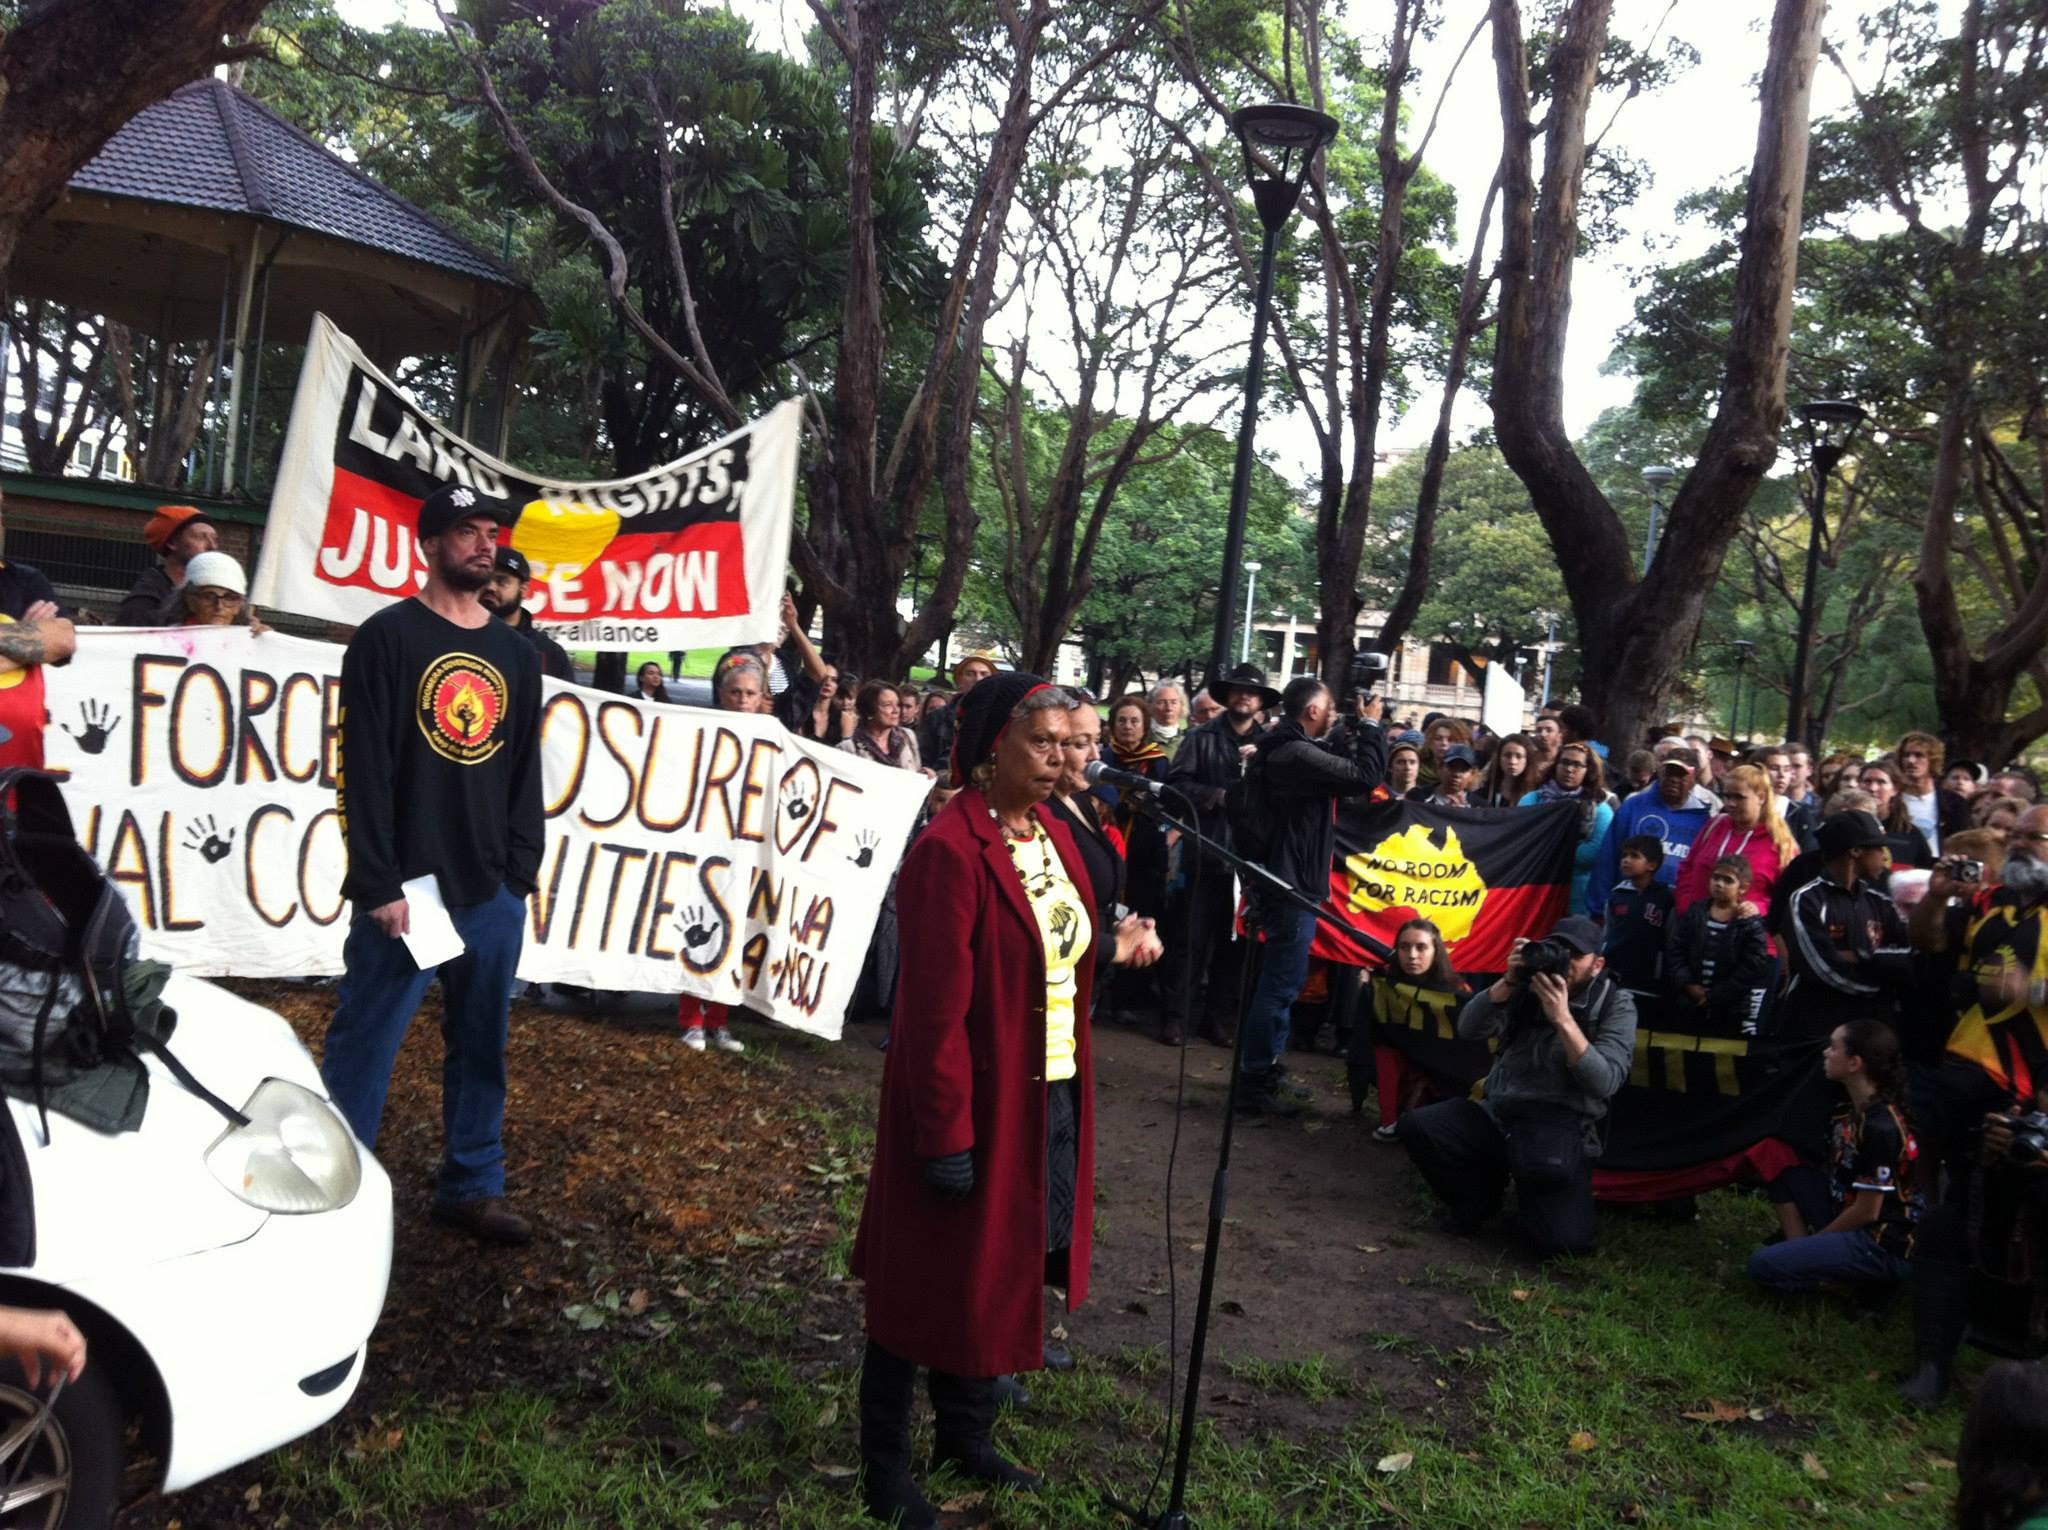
1367,667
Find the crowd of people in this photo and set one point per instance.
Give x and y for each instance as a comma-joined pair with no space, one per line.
1878,918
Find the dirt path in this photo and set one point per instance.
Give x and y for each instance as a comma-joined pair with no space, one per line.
1328,1250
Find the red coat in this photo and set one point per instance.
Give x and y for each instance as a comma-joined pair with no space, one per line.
958,1285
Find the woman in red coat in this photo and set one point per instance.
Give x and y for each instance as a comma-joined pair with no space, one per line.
982,1190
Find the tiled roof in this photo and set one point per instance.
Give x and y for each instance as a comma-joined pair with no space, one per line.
211,145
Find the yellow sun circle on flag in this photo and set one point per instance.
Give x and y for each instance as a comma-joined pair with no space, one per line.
1410,870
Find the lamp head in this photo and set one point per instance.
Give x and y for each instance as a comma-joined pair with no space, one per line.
1658,476
1828,423
1287,137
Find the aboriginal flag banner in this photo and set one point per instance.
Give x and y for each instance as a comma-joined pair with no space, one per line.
1482,875
690,554
1696,1096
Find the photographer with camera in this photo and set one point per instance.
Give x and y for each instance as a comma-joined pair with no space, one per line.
1284,821
1988,1115
1567,1037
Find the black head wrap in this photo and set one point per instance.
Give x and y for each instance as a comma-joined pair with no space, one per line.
983,714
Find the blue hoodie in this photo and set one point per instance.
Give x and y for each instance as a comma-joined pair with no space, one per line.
1648,813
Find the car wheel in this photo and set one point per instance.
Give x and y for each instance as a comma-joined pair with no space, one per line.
63,1473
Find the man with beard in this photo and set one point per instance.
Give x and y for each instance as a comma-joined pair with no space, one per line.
1201,974
505,598
440,777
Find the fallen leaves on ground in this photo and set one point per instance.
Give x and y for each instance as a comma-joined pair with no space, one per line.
1810,1464
1399,1461
1584,1440
1718,1412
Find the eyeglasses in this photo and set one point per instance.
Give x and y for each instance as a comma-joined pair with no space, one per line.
1571,764
2028,835
211,597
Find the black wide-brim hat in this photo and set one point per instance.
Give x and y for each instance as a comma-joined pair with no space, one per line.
1245,677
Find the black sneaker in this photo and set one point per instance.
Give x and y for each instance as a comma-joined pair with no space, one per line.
1259,1096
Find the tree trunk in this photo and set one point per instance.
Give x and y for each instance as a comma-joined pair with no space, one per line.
1635,636
72,74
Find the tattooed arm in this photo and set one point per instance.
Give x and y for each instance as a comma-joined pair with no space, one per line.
39,640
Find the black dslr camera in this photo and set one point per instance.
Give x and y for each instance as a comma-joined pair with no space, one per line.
2029,1137
1546,955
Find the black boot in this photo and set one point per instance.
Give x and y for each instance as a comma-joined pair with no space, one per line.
1361,1078
888,1386
1259,1094
963,1435
1941,1290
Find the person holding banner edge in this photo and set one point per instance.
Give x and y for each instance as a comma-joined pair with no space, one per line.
440,776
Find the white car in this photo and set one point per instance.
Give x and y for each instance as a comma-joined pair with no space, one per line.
226,1278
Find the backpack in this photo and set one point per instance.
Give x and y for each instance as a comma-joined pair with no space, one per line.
77,1005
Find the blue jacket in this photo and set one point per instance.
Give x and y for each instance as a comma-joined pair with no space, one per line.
1648,813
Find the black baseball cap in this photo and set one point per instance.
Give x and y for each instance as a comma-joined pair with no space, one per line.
1852,830
453,502
512,561
1581,934
1459,754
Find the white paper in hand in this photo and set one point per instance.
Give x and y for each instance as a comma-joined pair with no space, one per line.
431,937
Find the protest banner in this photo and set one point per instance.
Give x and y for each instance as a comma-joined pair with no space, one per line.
687,555
687,850
1481,875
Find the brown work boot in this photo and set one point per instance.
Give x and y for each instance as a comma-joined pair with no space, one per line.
488,1220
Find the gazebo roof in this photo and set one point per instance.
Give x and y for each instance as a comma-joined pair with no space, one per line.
211,145
205,190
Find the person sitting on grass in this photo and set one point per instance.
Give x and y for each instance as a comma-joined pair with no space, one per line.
1404,994
1874,1172
1718,958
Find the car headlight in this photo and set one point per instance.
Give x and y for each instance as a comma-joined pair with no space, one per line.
295,1156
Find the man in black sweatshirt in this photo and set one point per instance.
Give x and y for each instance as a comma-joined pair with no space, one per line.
440,777
1296,782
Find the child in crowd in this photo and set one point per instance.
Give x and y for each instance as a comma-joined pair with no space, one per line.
1873,1169
1638,918
1717,959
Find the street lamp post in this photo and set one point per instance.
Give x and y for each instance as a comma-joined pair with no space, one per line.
1743,650
1827,424
1251,584
1280,142
1655,479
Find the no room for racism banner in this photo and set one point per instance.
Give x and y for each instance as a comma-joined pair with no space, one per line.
1482,875
688,555
687,850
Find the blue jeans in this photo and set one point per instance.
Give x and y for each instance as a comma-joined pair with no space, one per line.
1803,1264
1283,968
381,991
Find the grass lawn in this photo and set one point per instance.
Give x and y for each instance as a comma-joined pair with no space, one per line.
1568,1407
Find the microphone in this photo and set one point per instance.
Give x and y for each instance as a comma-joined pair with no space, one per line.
1129,780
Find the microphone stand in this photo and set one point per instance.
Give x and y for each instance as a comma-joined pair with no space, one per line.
1176,1517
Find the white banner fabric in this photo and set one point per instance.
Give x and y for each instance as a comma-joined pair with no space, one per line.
688,851
688,555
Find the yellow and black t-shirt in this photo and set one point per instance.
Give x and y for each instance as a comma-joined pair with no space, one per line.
1999,947
1064,928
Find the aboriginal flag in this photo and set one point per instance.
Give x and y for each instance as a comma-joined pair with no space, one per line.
1482,875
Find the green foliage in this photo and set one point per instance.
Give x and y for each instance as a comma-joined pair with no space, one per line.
1154,601
1493,576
